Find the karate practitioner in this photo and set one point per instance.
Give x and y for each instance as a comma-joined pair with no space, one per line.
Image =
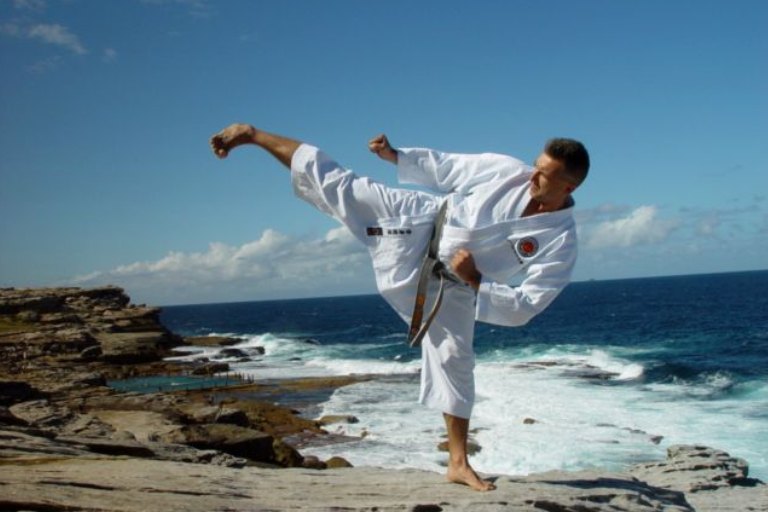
502,218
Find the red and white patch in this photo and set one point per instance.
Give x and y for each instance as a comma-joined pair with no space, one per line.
527,247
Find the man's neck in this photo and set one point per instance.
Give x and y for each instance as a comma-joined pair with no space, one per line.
535,207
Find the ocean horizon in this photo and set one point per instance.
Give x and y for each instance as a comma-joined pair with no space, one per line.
341,296
610,375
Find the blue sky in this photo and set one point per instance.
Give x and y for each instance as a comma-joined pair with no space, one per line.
106,108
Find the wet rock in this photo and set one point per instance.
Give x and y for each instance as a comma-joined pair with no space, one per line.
212,341
286,455
330,419
312,462
337,462
211,368
228,353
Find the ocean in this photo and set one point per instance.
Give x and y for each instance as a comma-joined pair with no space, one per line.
610,375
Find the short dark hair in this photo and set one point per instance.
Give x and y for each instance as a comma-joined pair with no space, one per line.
573,154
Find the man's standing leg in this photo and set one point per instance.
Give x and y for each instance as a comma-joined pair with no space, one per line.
459,470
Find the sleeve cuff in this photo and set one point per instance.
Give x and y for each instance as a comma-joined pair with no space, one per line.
407,165
301,156
483,301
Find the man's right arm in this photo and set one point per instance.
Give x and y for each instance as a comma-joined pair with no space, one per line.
445,172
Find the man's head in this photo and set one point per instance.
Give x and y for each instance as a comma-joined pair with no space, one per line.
573,155
559,170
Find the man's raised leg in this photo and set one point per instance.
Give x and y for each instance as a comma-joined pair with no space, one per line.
459,470
236,135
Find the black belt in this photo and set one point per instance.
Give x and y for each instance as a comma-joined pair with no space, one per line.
431,266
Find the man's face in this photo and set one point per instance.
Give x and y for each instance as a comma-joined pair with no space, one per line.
549,184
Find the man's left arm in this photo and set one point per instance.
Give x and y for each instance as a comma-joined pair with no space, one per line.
513,306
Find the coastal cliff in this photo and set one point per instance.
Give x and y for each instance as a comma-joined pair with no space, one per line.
69,441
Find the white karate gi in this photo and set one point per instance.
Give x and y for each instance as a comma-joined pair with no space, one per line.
486,195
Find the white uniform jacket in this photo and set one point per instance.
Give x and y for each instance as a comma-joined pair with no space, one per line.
486,194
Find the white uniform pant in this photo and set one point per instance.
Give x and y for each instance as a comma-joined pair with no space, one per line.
395,225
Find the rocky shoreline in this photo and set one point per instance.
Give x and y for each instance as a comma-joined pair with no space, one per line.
69,441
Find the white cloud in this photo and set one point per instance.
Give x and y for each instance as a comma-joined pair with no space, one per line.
641,226
44,66
274,266
58,35
109,55
707,227
30,5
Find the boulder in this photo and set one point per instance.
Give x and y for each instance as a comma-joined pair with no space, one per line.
692,468
337,462
286,455
132,348
231,352
330,419
215,414
312,462
232,439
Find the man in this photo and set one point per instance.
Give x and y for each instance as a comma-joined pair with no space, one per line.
502,218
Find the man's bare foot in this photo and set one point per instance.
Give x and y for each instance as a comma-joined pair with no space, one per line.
232,136
464,474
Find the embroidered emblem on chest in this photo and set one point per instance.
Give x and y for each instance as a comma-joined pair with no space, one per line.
527,247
